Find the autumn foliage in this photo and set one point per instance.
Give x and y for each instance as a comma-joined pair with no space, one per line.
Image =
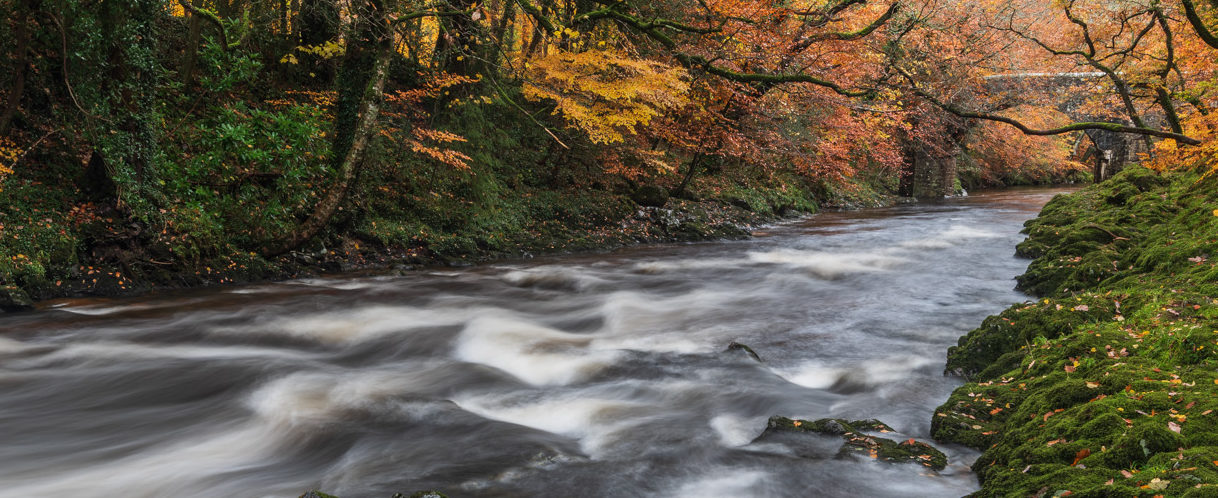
239,127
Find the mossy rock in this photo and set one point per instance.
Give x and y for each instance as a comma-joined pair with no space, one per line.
650,196
14,299
887,450
831,426
857,442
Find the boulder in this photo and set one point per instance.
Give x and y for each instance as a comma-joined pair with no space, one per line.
13,298
857,442
650,196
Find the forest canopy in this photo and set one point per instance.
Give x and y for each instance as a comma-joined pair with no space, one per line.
235,131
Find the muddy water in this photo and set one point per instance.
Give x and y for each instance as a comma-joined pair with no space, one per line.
595,375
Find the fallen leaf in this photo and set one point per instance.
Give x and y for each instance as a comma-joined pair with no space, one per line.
1093,385
1127,474
1055,441
1083,453
1174,427
1157,484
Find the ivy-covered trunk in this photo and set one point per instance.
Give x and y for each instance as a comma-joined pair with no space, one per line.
361,84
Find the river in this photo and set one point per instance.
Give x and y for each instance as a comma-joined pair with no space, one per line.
589,375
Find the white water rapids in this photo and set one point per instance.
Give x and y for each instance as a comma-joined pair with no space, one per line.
594,375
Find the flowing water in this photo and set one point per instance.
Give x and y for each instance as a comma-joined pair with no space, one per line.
595,375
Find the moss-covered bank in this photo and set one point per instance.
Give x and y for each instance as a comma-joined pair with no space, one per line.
1108,384
54,250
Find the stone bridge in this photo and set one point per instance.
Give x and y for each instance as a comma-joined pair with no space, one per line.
931,174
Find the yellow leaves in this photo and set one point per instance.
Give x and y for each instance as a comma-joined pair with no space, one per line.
288,59
327,50
9,154
605,93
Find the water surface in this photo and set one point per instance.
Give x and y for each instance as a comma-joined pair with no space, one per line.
598,375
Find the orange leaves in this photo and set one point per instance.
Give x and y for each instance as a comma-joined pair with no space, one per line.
1170,156
1083,453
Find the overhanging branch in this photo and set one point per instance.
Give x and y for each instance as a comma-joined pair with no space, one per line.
1027,130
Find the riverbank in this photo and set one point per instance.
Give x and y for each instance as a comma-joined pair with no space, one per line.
1107,385
101,251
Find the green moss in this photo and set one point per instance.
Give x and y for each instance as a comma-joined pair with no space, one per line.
1106,386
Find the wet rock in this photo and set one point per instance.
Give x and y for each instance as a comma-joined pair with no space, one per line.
860,443
429,494
736,346
14,299
887,450
834,426
316,494
740,203
650,196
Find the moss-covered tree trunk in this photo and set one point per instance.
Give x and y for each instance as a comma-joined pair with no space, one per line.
361,85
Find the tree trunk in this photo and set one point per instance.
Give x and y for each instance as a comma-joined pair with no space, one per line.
22,27
689,175
319,23
362,84
947,174
294,35
909,171
193,37
458,49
